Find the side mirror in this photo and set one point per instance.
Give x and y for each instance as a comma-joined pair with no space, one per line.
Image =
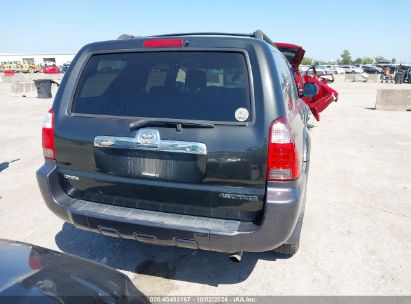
310,89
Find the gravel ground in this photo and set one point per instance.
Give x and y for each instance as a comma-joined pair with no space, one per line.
356,238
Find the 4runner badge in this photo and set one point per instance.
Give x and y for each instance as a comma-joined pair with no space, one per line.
239,197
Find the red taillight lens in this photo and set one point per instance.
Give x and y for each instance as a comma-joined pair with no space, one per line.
48,136
157,43
283,162
35,260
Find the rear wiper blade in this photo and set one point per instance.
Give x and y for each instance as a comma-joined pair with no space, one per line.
178,123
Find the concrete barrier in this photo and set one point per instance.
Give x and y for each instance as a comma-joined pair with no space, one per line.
393,100
26,89
54,89
22,77
5,88
339,78
23,85
16,78
372,78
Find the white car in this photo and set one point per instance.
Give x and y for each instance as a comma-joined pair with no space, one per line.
358,70
350,69
49,63
347,68
338,70
318,71
326,68
307,70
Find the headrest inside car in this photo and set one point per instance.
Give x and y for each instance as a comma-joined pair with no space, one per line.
195,80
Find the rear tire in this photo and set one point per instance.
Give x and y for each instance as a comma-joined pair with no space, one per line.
288,249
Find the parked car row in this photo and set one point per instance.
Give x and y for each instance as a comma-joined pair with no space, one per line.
337,70
30,67
408,76
352,69
325,69
371,69
402,74
388,72
346,69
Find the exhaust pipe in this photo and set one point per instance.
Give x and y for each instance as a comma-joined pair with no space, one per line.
236,257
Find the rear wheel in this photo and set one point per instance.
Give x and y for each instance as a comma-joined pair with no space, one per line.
290,247
287,249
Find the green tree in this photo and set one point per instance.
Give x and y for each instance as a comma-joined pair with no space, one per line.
307,61
367,60
358,61
346,57
378,59
393,61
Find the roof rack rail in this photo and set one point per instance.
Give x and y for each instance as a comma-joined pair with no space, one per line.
257,35
125,37
260,35
204,34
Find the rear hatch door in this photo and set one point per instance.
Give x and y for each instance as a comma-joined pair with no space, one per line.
170,131
292,52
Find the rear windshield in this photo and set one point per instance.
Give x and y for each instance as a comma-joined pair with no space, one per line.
289,53
184,85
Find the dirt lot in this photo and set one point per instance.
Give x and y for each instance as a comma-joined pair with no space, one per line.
356,237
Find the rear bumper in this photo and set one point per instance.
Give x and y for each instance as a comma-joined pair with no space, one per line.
282,208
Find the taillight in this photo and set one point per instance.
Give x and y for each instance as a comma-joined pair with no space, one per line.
35,260
48,136
283,162
165,42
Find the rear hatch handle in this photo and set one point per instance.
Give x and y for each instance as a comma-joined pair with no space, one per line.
149,140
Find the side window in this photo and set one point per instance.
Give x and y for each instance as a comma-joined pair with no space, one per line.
181,78
294,87
217,77
100,76
288,85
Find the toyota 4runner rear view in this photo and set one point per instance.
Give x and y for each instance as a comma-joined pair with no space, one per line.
192,140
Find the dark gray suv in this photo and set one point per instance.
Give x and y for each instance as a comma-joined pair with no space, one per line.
191,140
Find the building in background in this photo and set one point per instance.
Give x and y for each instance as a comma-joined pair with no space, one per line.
57,59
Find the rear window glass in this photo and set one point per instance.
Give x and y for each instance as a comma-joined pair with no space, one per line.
183,85
289,53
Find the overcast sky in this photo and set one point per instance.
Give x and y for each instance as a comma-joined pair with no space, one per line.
324,28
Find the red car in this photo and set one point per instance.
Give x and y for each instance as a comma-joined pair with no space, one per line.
325,96
50,69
